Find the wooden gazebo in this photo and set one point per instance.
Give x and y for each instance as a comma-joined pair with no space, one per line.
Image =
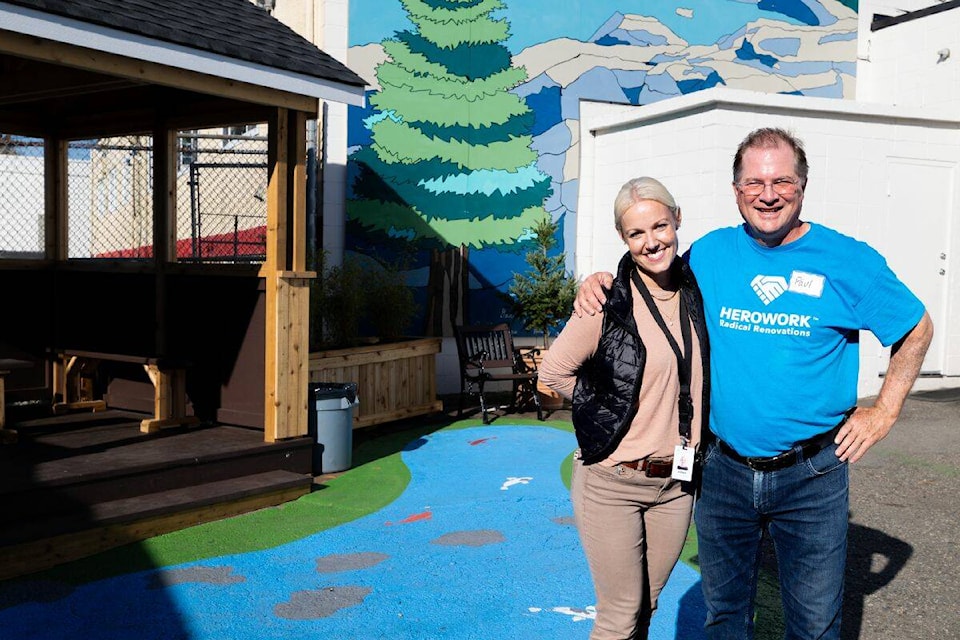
87,69
215,343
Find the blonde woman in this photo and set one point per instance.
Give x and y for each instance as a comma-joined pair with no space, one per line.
638,378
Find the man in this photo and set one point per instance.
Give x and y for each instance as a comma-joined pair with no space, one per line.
784,300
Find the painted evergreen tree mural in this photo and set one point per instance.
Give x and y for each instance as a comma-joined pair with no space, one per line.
450,161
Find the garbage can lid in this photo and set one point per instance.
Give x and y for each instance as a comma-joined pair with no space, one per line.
333,390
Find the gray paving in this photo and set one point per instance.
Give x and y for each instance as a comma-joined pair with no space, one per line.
902,578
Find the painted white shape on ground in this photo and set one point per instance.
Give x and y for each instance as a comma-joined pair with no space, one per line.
511,481
576,614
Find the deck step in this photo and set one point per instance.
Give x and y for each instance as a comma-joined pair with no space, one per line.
102,464
76,485
43,543
163,502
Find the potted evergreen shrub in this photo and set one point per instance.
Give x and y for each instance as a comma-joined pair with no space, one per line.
542,297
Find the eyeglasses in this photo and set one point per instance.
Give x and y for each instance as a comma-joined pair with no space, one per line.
785,187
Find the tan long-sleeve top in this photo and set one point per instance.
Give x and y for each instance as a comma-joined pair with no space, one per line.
654,430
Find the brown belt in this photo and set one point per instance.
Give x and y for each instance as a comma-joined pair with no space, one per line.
653,467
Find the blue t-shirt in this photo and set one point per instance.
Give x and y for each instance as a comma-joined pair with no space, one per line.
783,325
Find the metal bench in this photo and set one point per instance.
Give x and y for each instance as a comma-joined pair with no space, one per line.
487,354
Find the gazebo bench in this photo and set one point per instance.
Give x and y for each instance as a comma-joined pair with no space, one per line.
72,389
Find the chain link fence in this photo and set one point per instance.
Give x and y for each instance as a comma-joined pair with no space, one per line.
21,197
221,196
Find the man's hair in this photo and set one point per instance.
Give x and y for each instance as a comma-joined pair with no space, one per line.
637,189
772,137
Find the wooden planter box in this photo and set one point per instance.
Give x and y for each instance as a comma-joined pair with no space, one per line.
394,380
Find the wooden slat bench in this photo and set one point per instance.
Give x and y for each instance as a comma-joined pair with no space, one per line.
71,388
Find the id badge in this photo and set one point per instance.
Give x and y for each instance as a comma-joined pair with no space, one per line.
683,459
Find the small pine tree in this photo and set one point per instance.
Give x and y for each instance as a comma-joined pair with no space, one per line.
543,296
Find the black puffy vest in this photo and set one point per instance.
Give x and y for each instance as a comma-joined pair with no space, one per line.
608,384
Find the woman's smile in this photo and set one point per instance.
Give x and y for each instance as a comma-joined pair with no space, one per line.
649,228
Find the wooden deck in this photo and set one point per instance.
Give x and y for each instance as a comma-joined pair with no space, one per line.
77,484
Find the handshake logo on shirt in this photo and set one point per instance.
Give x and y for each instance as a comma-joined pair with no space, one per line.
769,288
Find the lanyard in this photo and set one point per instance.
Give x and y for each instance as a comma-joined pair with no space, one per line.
684,360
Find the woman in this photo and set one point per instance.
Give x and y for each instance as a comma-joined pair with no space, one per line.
639,405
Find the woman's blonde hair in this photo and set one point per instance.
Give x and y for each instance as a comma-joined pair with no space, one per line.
637,189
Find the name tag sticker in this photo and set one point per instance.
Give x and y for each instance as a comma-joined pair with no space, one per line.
682,463
809,284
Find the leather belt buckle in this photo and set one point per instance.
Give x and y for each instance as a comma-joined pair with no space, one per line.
652,467
777,462
773,463
658,467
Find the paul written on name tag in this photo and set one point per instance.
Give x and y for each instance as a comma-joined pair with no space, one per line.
810,284
683,458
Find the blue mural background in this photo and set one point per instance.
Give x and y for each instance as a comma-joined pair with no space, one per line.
608,50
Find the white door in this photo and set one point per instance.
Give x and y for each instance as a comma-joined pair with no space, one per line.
920,196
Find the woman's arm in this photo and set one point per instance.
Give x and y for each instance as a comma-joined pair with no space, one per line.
574,346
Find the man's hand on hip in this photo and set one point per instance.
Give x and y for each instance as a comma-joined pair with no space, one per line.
869,425
866,427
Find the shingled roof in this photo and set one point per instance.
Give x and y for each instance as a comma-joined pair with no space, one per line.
235,29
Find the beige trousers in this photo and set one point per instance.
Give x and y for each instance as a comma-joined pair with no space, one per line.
632,529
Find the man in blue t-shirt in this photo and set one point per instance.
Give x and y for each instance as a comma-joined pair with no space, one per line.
784,301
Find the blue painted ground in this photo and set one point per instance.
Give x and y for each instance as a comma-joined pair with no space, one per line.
480,545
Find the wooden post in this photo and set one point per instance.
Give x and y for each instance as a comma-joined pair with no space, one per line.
55,199
276,252
292,353
286,360
164,222
297,189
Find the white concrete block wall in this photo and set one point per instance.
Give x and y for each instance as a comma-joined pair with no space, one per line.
669,151
334,25
899,64
333,31
583,252
866,10
951,329
334,205
689,145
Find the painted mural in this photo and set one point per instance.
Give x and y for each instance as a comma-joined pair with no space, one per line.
470,135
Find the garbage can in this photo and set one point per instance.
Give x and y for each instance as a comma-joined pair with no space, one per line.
331,425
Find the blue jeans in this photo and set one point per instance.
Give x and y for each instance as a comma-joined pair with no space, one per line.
804,508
